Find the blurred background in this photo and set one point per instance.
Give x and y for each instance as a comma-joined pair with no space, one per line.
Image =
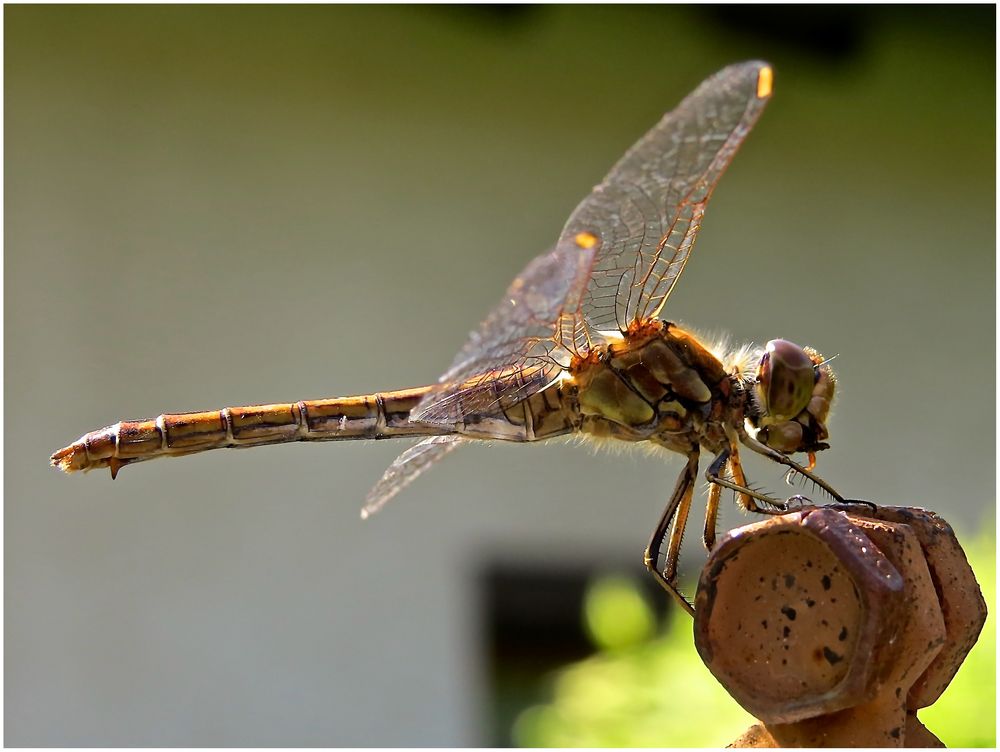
210,206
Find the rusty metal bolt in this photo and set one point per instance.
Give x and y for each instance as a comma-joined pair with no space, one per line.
831,626
962,603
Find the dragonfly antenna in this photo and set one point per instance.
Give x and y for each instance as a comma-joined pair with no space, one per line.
826,360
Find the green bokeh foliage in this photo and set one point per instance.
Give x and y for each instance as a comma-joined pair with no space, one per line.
657,692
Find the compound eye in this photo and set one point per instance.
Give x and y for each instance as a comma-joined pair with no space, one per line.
786,377
785,437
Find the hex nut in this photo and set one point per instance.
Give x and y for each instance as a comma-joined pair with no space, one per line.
962,602
909,610
797,616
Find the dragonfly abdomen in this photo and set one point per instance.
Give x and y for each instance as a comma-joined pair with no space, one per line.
373,416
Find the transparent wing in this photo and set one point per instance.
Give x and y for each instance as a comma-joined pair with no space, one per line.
646,213
617,258
521,346
406,468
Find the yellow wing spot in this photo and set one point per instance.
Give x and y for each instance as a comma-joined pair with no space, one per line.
765,78
586,240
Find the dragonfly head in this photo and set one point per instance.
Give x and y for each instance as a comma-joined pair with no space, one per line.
793,393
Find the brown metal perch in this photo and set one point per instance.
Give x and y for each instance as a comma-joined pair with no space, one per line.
835,625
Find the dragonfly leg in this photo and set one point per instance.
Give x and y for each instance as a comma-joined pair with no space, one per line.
676,511
746,497
677,534
745,500
718,467
793,466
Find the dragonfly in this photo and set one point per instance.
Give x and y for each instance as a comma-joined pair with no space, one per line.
577,346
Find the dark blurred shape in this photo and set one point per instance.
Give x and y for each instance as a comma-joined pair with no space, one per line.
836,33
501,18
832,32
532,626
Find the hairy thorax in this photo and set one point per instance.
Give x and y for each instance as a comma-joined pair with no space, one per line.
658,384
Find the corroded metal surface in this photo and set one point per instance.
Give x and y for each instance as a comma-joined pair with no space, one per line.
831,626
962,605
795,615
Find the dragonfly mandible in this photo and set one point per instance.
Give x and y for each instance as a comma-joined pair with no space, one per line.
577,346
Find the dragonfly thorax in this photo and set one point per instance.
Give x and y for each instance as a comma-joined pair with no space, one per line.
658,382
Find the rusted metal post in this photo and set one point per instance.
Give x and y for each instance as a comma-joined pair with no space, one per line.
834,625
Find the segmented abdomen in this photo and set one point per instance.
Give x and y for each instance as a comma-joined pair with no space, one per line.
373,416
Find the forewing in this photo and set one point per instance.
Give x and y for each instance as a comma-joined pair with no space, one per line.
617,258
406,468
646,213
521,347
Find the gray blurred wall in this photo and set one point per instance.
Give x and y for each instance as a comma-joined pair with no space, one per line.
211,206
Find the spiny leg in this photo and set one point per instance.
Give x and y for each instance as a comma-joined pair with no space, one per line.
745,496
742,498
685,481
677,534
718,467
780,458
682,490
790,472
